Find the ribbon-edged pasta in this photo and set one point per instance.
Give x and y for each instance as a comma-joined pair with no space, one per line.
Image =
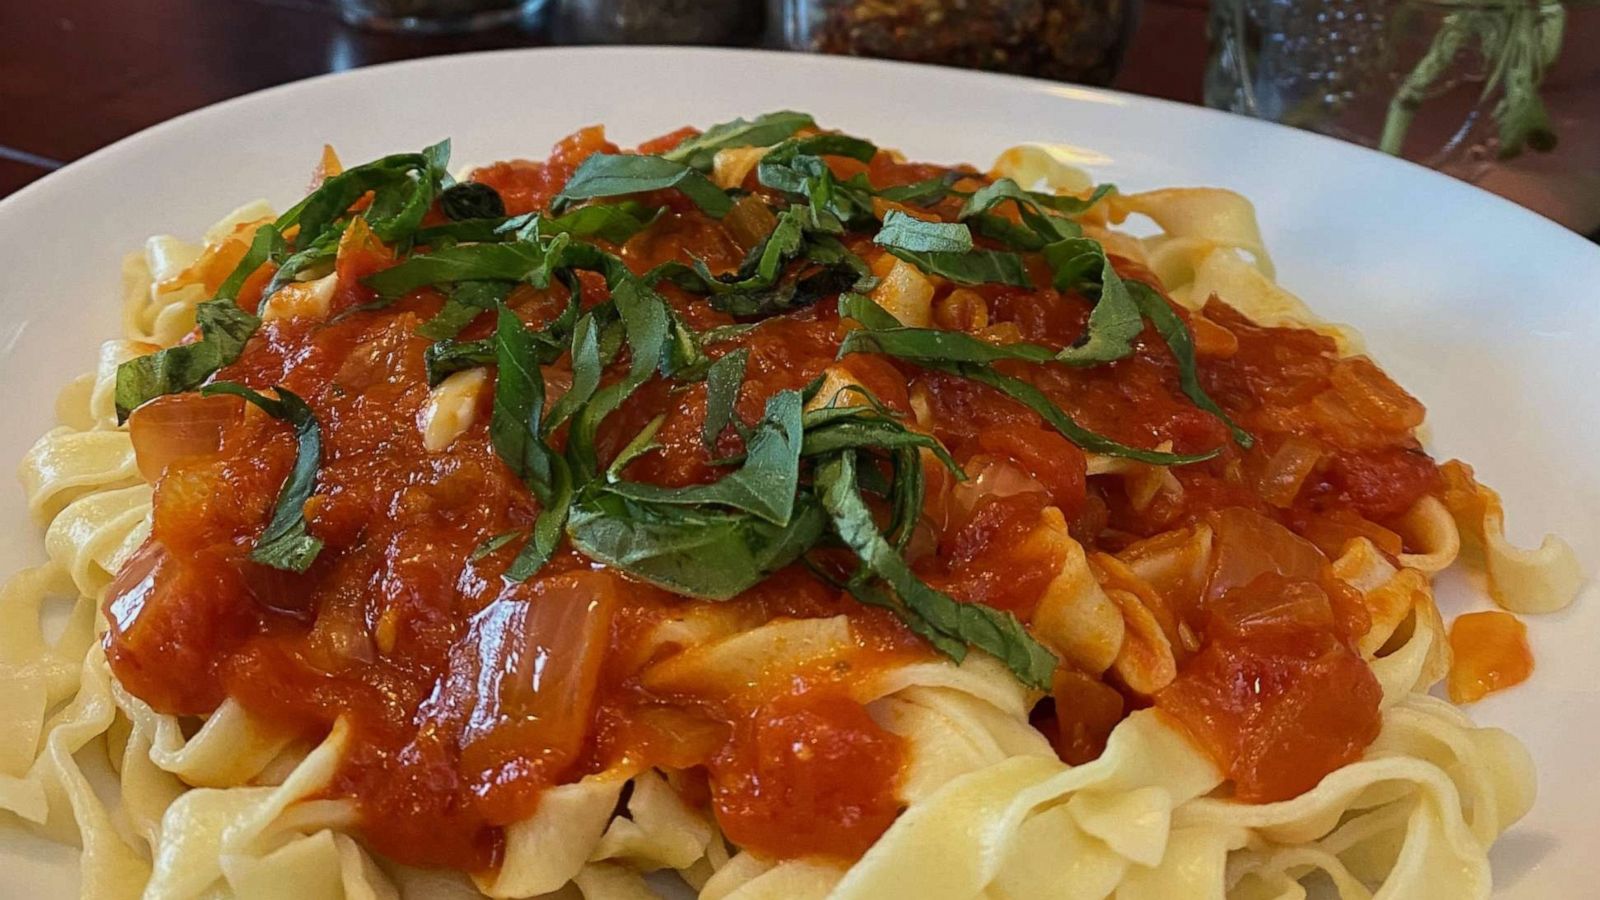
231,807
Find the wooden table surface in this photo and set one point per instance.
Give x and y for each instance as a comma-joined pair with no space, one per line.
76,75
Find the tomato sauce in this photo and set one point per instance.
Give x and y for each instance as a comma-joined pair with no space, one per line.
468,696
1489,652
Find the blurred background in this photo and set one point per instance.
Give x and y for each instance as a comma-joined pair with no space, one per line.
1501,93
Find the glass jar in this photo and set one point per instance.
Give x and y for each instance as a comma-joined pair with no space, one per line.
1068,40
657,21
1503,93
439,16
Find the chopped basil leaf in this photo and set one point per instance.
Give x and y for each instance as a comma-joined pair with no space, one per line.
905,232
993,631
492,544
516,431
471,200
1115,320
514,261
614,222
690,550
637,446
646,325
515,427
400,200
723,381
467,301
447,357
285,543
937,346
991,195
926,192
613,175
763,486
1056,418
224,329
971,267
587,366
796,167
700,151
1178,339
547,528
727,332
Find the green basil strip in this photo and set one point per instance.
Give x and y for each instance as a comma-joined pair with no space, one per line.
447,357
694,551
971,267
723,381
723,333
905,232
791,165
515,261
763,486
515,428
700,151
861,429
516,431
637,446
547,528
613,175
796,167
1043,215
993,631
862,308
926,192
614,222
224,329
467,301
466,231
1115,321
471,200
398,208
646,324
588,365
285,543
1176,334
1039,402
936,346
869,595
492,544
1002,189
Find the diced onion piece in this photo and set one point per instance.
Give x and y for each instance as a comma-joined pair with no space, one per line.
907,295
1248,545
179,426
451,409
730,166
1287,469
1374,396
301,299
538,650
989,476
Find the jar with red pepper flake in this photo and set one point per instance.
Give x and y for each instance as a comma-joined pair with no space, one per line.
1068,40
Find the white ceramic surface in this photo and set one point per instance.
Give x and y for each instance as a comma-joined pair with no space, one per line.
1487,312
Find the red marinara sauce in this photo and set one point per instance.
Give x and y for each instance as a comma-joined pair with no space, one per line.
467,696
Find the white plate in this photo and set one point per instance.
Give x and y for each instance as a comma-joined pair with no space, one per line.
1487,312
